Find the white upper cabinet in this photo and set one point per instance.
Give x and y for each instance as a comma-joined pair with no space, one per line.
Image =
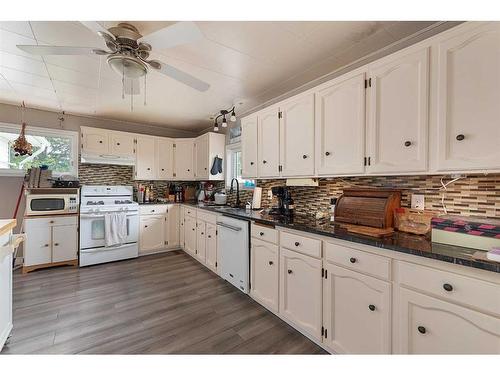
468,97
184,159
268,131
398,113
164,158
207,147
297,136
95,140
249,146
340,126
145,168
121,144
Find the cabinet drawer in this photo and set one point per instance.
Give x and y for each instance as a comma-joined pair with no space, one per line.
153,209
190,211
304,245
461,289
53,221
206,216
264,233
361,261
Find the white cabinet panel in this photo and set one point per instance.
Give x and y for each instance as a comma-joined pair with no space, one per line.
468,98
121,144
201,245
182,226
432,326
172,226
340,127
398,113
211,246
95,141
152,233
297,136
249,146
184,159
301,291
356,312
145,162
38,246
64,243
269,142
202,162
264,274
190,235
164,158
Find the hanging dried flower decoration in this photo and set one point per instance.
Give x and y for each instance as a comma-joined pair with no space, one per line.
21,145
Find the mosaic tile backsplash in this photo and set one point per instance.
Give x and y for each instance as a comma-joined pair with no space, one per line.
474,195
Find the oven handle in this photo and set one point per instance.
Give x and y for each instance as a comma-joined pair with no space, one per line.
232,227
99,249
90,216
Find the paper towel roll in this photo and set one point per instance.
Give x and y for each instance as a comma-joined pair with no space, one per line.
257,197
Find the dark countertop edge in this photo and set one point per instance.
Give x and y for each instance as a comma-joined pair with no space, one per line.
486,266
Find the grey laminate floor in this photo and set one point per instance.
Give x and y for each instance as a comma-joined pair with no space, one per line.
166,303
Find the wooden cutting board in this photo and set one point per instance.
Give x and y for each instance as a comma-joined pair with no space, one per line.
368,231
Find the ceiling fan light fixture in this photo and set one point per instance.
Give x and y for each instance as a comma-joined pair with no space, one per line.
233,116
130,67
224,122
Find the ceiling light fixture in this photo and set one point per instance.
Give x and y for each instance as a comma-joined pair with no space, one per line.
223,113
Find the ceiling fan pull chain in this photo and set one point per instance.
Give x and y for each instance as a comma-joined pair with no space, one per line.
145,79
123,82
131,95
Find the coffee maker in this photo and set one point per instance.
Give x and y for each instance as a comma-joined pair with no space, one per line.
283,202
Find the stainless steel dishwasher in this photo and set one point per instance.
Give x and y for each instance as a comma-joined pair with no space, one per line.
233,247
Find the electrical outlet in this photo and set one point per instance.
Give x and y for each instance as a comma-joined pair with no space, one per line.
418,201
269,194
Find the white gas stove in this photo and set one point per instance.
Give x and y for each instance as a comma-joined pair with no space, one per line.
96,201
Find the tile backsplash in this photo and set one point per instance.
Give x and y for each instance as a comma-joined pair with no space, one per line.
474,195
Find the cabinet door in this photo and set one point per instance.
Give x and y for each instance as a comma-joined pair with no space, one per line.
468,99
202,162
356,312
152,233
145,159
190,235
269,142
398,114
165,158
432,326
301,291
38,245
211,246
249,146
64,243
297,136
201,246
182,227
121,144
340,127
95,141
264,274
172,225
184,159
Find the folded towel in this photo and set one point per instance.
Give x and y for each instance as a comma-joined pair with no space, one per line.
115,228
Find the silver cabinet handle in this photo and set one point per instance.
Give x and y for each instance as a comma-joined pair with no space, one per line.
232,227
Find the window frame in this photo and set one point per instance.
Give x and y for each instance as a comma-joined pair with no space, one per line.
230,150
40,131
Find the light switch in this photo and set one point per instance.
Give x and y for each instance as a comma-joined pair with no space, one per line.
418,201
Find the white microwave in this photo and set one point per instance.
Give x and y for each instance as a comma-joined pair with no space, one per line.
51,204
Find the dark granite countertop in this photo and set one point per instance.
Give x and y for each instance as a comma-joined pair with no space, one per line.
399,241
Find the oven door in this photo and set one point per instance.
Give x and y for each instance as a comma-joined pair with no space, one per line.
46,204
92,230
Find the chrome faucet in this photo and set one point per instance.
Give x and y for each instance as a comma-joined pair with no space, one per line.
231,190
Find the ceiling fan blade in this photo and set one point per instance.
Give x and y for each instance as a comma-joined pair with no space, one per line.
183,77
132,86
94,26
56,50
174,35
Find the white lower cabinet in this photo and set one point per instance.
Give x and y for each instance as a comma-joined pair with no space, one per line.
432,326
159,228
301,291
200,241
211,246
152,233
356,312
190,235
264,274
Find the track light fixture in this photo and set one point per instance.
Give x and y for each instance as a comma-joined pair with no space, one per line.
223,113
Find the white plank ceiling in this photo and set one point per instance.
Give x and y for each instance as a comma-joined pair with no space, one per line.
250,62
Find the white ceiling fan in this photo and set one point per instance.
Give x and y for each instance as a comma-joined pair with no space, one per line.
128,51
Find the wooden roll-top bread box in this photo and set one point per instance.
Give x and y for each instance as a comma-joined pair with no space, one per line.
368,207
